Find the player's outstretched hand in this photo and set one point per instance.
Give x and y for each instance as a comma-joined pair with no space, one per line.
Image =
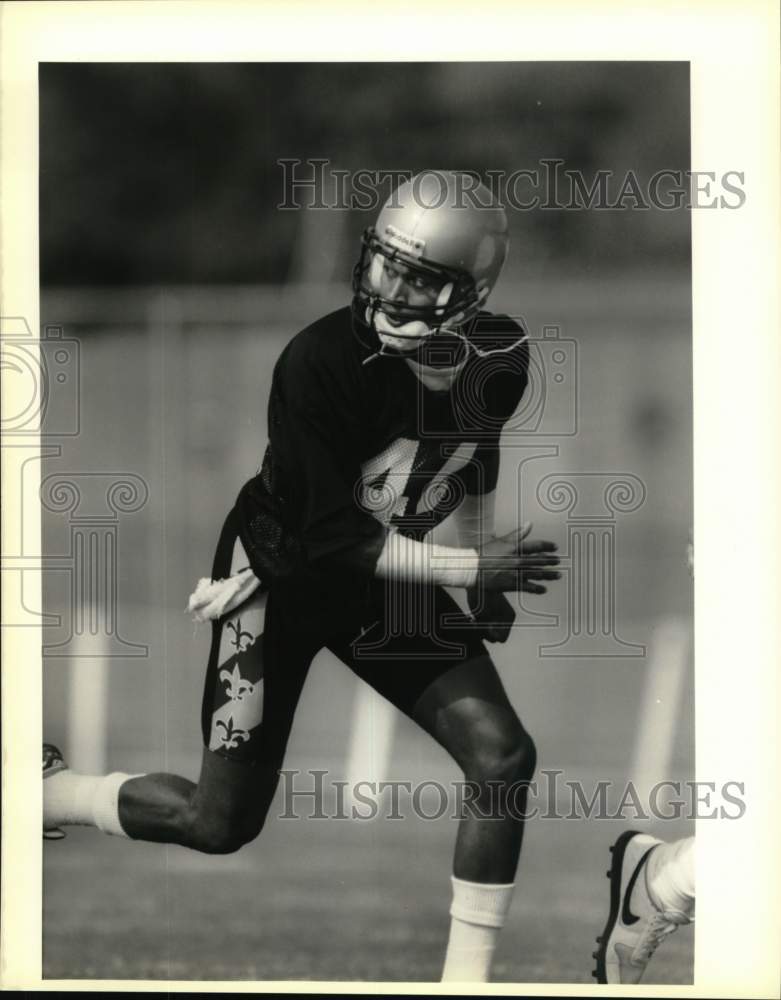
514,563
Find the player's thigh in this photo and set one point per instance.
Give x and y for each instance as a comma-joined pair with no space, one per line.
418,634
422,656
254,678
249,709
233,694
468,712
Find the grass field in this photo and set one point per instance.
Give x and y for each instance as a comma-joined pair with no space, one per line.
181,403
323,900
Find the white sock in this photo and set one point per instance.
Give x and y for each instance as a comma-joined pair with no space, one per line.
670,876
478,913
85,800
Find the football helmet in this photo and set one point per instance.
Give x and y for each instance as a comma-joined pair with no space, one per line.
426,268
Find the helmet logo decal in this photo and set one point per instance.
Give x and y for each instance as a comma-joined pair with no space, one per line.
403,241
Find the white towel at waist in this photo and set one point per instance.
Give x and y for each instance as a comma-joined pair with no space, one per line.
215,598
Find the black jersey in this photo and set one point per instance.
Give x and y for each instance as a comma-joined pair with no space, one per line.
361,447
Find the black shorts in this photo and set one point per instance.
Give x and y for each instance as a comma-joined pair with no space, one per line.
260,655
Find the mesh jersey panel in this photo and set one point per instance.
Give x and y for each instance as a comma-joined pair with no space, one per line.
271,550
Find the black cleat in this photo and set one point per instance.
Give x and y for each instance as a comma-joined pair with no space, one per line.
53,762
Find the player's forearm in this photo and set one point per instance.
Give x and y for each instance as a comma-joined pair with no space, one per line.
475,519
422,562
409,561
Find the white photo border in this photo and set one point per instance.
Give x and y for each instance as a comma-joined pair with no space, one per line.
733,51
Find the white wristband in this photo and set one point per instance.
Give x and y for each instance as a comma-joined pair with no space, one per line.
421,562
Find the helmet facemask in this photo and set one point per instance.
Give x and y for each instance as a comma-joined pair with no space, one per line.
426,269
445,301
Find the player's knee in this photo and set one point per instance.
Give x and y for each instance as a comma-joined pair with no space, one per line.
213,834
506,755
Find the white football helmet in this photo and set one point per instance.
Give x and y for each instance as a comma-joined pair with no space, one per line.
427,267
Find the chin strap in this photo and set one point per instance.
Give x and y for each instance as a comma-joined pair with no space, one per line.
437,379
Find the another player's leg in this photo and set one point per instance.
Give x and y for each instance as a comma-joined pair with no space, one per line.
651,895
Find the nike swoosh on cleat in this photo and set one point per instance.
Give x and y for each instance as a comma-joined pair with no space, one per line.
627,917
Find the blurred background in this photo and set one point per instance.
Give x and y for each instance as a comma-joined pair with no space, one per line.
170,281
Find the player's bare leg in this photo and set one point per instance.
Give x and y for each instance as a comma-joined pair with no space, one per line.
218,814
223,811
467,711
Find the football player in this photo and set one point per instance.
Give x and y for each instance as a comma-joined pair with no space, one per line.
384,418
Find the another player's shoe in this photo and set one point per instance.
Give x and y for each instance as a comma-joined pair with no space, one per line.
53,762
635,926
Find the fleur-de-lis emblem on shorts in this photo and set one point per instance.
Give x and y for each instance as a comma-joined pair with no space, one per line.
240,636
237,686
233,736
